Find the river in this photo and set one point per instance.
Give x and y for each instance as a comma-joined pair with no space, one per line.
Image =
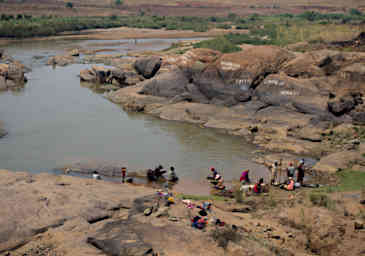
55,121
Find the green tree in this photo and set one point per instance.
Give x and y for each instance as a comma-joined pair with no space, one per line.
119,2
69,5
355,12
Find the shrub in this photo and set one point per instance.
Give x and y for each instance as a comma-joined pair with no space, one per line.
224,26
69,5
355,12
232,16
254,17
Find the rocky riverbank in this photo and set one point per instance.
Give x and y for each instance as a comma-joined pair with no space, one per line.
62,215
303,103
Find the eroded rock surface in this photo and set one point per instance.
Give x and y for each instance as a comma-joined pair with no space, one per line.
291,98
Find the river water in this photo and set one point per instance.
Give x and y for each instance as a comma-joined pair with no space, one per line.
55,121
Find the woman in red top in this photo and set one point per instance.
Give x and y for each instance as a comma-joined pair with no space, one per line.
258,186
244,179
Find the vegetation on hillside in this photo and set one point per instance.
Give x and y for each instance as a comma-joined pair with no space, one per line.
275,29
286,29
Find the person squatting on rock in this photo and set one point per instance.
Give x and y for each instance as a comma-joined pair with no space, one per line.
219,182
151,175
172,175
289,186
258,188
96,176
124,173
214,174
158,172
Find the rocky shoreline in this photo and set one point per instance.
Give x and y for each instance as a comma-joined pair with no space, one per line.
305,104
46,214
288,103
308,104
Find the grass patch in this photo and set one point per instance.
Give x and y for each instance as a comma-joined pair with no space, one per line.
201,197
221,44
349,180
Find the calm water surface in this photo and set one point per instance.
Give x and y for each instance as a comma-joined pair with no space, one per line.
55,121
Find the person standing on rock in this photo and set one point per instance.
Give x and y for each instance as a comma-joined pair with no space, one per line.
124,173
291,170
274,169
301,170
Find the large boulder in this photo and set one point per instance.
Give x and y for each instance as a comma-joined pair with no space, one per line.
115,76
251,66
118,77
228,79
297,94
341,106
87,75
218,79
345,104
166,85
148,67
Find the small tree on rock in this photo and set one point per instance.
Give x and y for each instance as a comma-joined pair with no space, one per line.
119,2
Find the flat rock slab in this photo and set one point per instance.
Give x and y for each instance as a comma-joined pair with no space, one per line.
30,205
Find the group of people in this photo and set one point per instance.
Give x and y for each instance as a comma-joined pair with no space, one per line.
276,176
158,172
246,185
152,175
291,172
276,179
